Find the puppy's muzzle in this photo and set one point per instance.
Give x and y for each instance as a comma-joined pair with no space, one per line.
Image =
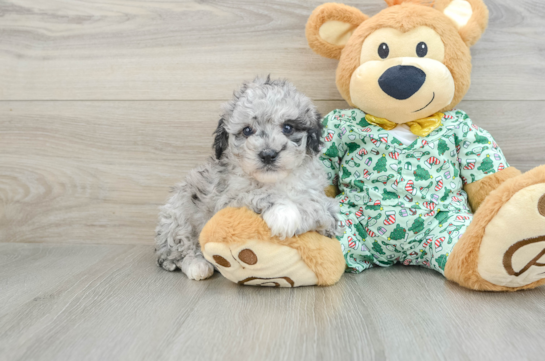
268,156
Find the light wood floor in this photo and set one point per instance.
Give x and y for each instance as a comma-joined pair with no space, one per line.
106,104
110,302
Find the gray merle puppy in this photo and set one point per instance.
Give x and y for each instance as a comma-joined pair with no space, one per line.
266,148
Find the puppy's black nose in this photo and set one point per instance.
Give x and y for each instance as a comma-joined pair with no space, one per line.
268,156
402,81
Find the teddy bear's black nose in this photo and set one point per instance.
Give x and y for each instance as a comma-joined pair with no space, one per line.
402,81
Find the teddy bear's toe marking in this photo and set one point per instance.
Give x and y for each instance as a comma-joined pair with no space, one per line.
247,256
268,282
221,261
541,205
260,263
509,256
512,252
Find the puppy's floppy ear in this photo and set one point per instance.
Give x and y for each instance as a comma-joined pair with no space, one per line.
221,139
330,26
469,16
314,134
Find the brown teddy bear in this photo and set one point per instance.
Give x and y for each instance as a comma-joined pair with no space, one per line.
417,182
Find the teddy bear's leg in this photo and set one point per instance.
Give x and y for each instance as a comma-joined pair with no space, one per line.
238,242
503,249
360,249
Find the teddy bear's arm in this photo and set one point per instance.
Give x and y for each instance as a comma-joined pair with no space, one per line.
479,190
483,166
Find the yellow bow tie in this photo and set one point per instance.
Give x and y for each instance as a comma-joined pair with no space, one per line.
421,127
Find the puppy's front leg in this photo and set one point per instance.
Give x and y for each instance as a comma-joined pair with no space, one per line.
328,222
283,218
177,247
196,267
318,213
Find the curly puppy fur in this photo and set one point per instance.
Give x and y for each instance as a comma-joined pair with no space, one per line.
266,147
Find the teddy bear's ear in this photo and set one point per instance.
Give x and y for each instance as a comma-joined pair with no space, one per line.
330,26
470,16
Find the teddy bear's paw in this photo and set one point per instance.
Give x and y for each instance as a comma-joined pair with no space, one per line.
259,263
512,252
197,268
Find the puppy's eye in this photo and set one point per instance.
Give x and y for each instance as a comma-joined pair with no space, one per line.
287,129
422,49
247,131
383,50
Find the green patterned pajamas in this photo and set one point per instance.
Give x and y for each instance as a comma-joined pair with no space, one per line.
404,203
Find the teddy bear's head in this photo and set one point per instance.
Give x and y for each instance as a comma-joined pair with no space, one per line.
408,62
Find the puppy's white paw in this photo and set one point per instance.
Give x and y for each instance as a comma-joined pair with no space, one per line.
283,219
197,268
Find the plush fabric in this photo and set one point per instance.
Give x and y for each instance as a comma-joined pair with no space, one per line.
330,12
473,30
495,253
404,18
336,32
378,86
512,251
241,228
418,2
463,263
478,191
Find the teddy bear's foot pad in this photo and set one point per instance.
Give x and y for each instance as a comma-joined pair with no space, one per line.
512,252
259,263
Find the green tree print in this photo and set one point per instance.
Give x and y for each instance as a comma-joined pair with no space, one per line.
479,139
332,151
442,261
442,147
386,195
421,174
441,216
398,233
346,173
487,166
359,184
325,120
378,248
363,122
352,147
457,141
417,226
360,230
381,164
367,258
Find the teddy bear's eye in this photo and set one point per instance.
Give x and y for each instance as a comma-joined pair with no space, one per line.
422,49
383,50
